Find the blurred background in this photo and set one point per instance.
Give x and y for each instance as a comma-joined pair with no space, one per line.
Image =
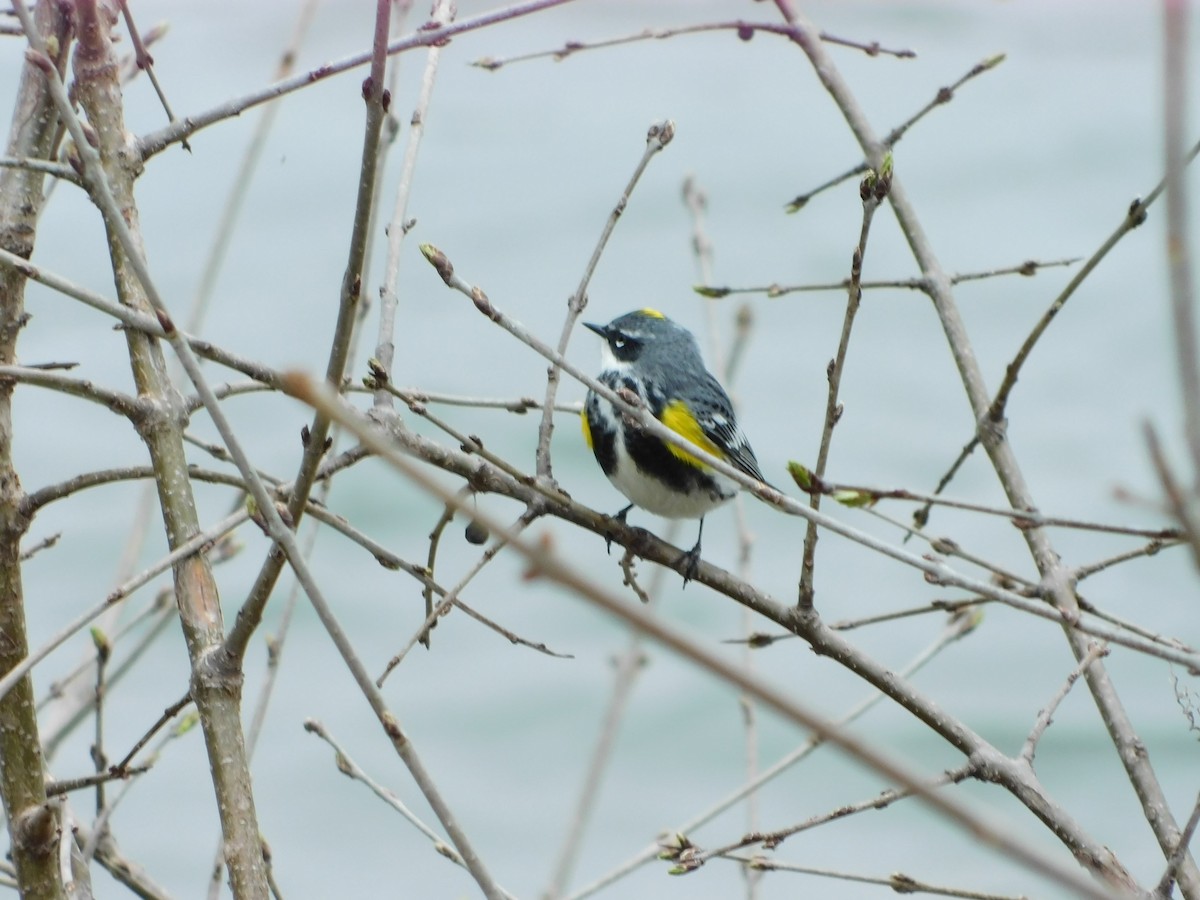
1035,160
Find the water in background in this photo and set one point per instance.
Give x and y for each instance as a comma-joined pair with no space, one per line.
1037,159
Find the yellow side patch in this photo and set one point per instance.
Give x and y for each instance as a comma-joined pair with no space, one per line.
680,420
651,313
587,429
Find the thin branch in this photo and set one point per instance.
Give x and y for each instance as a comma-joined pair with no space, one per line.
872,191
450,598
61,171
1185,838
145,63
157,614
1178,500
61,787
442,14
167,715
156,141
943,96
435,541
28,553
745,32
1028,269
657,137
771,840
348,767
856,496
122,404
1150,548
897,881
1046,715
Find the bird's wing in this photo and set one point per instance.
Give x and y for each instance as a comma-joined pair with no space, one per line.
720,427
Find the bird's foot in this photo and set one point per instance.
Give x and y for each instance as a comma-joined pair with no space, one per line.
689,564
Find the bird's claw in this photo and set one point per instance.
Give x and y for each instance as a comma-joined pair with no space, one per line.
619,517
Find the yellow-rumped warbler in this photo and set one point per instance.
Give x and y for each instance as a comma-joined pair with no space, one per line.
648,355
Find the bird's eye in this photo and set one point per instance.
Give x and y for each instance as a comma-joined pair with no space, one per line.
619,343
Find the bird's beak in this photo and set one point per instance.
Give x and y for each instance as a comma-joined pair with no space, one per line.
599,329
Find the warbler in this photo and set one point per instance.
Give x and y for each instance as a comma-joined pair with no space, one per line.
647,356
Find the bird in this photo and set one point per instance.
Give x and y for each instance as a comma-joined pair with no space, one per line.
656,363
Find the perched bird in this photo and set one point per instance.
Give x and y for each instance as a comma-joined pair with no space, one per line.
648,357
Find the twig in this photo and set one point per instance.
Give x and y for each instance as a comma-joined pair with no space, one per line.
45,543
657,137
156,141
872,191
61,171
1177,497
969,608
630,580
103,652
943,96
520,406
417,399
745,31
129,67
61,787
1180,853
1149,549
864,496
168,714
1029,268
771,840
99,833
435,540
122,404
509,634
442,14
450,598
897,881
348,767
1046,715
145,62
696,201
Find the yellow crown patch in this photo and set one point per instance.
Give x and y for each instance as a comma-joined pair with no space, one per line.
651,313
